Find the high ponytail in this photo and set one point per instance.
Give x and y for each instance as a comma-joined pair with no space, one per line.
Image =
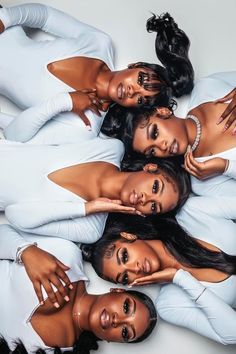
172,46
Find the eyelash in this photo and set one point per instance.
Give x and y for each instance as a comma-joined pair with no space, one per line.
154,208
126,306
125,334
124,256
155,186
125,279
155,132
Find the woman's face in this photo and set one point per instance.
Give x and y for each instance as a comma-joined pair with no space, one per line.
161,137
130,260
118,317
125,89
150,193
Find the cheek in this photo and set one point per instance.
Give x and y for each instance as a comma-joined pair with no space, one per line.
111,335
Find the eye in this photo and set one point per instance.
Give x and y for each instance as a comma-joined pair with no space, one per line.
154,132
140,100
126,306
124,255
154,208
155,186
125,334
125,279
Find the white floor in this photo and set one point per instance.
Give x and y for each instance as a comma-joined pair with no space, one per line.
210,25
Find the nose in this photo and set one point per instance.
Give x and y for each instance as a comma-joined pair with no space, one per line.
118,320
133,267
131,91
162,145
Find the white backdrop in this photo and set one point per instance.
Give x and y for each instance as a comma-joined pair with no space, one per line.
210,26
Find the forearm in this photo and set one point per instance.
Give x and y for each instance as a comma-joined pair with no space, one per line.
10,242
46,18
29,122
219,314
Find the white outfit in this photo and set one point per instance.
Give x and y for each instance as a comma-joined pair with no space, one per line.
208,90
27,81
185,303
18,300
33,203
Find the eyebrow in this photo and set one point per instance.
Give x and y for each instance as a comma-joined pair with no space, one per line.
117,256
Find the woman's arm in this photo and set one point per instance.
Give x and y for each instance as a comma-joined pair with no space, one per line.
46,18
24,126
189,304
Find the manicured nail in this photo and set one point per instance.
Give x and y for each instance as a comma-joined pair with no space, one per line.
130,286
189,149
67,298
234,131
225,127
70,287
88,127
41,303
56,305
220,120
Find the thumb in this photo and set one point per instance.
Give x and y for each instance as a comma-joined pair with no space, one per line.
90,90
62,265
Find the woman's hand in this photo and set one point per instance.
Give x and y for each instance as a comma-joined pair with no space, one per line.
2,27
84,100
163,276
99,205
206,169
230,111
44,270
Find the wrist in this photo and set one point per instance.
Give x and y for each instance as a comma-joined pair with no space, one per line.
22,253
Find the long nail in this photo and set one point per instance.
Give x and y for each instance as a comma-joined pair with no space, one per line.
88,127
67,298
234,131
220,120
225,127
189,149
70,287
56,305
41,303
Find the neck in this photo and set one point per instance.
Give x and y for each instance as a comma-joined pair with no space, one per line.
102,83
112,183
81,310
191,130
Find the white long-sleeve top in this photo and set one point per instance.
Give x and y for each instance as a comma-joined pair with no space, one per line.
33,203
208,90
18,300
186,303
27,81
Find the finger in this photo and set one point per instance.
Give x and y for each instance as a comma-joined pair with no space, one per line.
226,97
143,279
189,166
140,284
63,276
50,293
230,120
62,290
94,109
85,120
194,162
38,291
90,90
62,265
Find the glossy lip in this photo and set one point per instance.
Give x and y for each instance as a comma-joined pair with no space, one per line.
121,91
105,319
174,147
146,266
133,198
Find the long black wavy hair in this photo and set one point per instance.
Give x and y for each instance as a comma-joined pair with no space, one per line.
183,247
87,340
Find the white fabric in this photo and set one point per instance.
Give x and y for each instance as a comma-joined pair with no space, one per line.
207,90
209,313
33,203
18,300
27,82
